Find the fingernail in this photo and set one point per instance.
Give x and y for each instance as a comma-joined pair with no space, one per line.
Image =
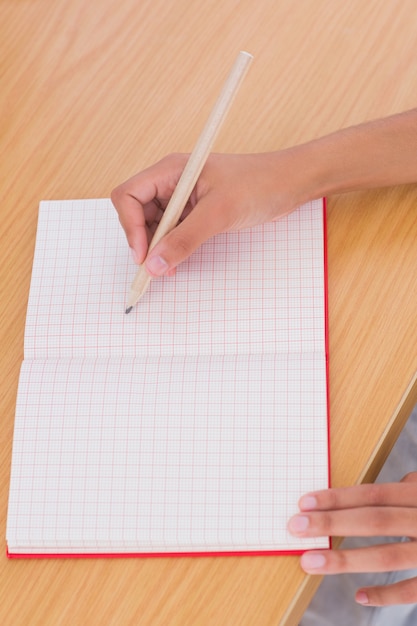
134,255
312,561
156,265
308,503
362,597
298,524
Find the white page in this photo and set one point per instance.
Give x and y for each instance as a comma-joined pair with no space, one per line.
193,424
254,291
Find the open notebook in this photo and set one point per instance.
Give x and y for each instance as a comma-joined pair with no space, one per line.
191,425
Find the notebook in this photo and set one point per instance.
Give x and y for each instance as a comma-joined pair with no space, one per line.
190,426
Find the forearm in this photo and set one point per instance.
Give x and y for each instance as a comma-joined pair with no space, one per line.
240,191
374,154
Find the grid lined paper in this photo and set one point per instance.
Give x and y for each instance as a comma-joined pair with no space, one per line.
194,423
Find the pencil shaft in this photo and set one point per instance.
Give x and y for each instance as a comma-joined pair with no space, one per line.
193,168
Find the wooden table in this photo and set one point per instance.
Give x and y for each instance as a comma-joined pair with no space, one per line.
91,92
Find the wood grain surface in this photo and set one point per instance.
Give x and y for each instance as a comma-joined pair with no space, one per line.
90,93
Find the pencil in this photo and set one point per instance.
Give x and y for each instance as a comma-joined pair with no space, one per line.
192,169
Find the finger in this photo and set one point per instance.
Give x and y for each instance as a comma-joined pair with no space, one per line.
131,198
380,558
384,494
403,592
153,212
204,221
132,219
410,478
359,522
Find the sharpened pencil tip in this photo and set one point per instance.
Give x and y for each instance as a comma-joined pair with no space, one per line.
128,309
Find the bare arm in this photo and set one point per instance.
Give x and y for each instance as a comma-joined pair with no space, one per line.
237,191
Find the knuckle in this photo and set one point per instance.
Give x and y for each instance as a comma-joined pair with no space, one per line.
174,159
340,561
221,216
390,558
324,522
333,499
116,194
180,244
376,494
380,519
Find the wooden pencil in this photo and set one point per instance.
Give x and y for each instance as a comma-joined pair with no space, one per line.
193,168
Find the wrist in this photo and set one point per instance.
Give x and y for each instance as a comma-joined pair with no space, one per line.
326,166
300,174
374,154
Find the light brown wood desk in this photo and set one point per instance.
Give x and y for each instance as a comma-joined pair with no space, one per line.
92,92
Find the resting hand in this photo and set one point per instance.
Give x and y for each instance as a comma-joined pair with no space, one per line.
366,510
232,192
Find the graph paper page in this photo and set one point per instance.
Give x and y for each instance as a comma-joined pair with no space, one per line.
192,425
254,291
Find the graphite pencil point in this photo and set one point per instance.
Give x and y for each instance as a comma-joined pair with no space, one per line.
128,309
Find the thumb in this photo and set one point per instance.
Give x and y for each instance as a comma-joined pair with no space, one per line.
183,240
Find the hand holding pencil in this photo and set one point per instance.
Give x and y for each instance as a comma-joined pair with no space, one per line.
242,190
228,192
193,167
